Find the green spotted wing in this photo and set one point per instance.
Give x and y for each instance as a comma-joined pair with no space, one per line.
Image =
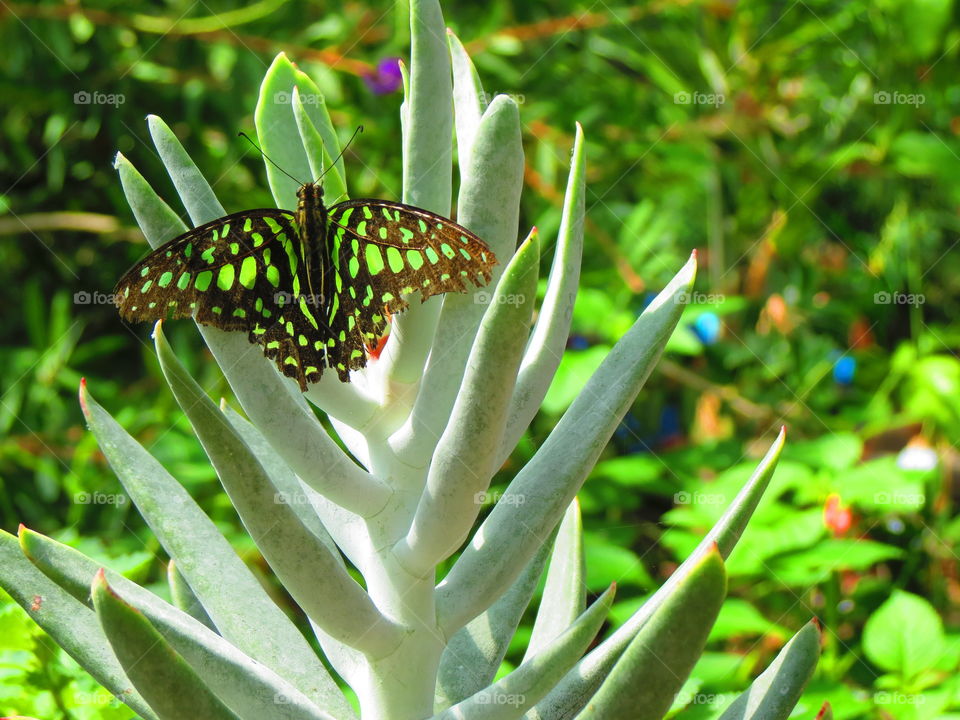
241,272
381,251
313,288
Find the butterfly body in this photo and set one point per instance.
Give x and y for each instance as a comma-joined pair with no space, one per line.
313,288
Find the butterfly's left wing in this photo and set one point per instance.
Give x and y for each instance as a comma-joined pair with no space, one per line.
381,251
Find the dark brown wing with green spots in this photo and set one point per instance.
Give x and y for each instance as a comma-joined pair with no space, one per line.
241,272
383,250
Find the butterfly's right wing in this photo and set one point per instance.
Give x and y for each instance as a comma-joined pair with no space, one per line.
241,272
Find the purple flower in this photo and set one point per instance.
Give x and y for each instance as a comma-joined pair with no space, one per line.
386,79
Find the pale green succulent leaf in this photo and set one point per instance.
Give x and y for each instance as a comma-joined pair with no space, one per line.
565,592
156,219
309,570
654,666
468,105
318,154
163,677
549,338
774,694
245,615
184,598
512,695
195,192
465,457
427,124
68,621
538,496
278,133
489,206
301,498
247,686
473,655
584,679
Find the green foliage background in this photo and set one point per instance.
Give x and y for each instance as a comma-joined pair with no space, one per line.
809,151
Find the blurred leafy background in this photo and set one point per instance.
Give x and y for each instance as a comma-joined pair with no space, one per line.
808,149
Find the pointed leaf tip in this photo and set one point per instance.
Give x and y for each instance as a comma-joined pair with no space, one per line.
83,398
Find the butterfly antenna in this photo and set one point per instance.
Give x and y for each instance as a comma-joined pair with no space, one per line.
340,154
267,157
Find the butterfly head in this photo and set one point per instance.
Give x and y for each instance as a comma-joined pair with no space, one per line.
310,192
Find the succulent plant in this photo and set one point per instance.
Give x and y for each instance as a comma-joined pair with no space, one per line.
427,424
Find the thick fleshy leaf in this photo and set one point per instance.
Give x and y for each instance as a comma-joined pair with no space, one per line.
307,568
318,154
163,677
290,489
473,655
773,695
468,97
520,689
565,592
278,133
464,461
585,678
427,124
245,615
69,622
535,501
247,686
489,206
653,668
184,598
549,338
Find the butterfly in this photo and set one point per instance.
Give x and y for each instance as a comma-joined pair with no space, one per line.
313,288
